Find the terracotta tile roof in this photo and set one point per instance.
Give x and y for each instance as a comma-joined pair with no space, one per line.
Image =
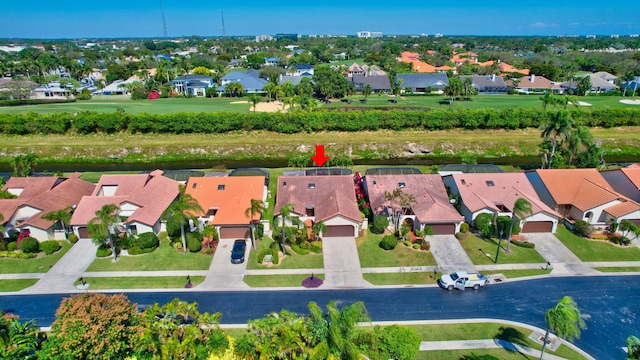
8,207
563,184
152,193
590,195
231,196
623,208
31,186
506,68
486,191
633,174
418,65
432,203
539,82
329,196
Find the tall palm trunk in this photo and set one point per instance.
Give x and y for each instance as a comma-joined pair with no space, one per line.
553,151
544,344
184,240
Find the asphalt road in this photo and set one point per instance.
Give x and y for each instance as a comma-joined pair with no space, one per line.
609,304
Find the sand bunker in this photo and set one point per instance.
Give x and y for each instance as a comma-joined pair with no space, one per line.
239,102
274,106
582,103
630,102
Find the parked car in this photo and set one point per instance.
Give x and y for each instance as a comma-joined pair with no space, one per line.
461,280
237,253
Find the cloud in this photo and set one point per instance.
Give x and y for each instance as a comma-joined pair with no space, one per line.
540,24
574,24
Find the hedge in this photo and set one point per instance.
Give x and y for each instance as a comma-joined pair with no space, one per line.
103,251
147,240
50,246
523,244
289,123
299,250
16,255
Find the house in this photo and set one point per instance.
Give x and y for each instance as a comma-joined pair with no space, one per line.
52,90
421,66
195,85
272,61
583,194
115,88
626,181
37,196
302,69
431,207
294,80
250,81
377,83
224,201
598,84
508,69
537,85
327,199
496,194
487,84
610,78
419,83
141,199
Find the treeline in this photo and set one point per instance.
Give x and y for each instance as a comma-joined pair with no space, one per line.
296,122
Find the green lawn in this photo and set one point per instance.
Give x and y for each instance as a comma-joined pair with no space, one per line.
37,265
169,282
16,284
472,245
291,261
277,280
371,255
502,354
510,274
619,269
164,257
404,278
596,250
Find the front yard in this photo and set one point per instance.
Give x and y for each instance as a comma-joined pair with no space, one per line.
165,257
294,280
596,250
478,248
163,282
371,255
40,264
291,261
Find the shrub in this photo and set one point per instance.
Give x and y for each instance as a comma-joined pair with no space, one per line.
620,240
127,241
193,244
426,246
305,245
275,259
103,251
177,245
16,255
380,224
73,238
50,246
148,240
582,228
316,246
503,223
259,230
464,227
388,242
12,246
30,245
407,243
460,235
482,223
524,244
300,250
394,342
262,254
416,246
274,246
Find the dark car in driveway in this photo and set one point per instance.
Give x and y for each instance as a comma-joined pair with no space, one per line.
237,253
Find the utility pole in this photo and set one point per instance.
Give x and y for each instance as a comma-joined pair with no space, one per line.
222,14
164,22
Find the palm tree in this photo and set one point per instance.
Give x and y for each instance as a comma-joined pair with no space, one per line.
182,209
17,340
366,91
63,216
210,233
351,89
549,99
633,348
579,139
561,125
317,229
102,228
564,320
521,209
285,214
256,208
254,99
398,199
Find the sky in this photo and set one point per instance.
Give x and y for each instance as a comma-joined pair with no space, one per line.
48,19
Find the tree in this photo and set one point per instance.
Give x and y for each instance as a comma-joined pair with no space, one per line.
182,209
398,200
366,91
256,208
467,85
210,233
18,340
74,333
454,89
285,214
63,216
23,165
579,139
564,320
560,125
254,99
583,86
350,91
627,228
521,209
317,229
201,70
549,99
103,227
633,348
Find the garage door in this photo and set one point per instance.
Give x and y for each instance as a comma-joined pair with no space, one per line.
240,232
635,221
442,229
338,230
537,226
84,233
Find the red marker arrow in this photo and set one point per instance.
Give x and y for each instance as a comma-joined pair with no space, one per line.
319,158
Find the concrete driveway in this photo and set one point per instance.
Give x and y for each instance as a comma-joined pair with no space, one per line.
342,263
222,273
564,262
449,254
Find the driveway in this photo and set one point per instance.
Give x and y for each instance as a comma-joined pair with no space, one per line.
449,254
222,273
342,263
564,262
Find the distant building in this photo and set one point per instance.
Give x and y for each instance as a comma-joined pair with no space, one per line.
263,37
369,34
195,85
293,37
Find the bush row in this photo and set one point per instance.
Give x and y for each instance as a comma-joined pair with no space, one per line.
222,122
16,255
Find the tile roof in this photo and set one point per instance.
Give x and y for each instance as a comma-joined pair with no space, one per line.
376,82
487,191
563,184
506,68
31,186
423,80
152,193
329,195
231,196
432,202
536,82
486,81
623,208
418,65
633,174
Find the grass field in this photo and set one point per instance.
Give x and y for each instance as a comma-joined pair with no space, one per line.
169,282
404,278
511,274
472,245
36,265
596,250
16,284
371,255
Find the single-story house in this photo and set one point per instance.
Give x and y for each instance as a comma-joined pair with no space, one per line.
115,88
141,199
224,201
327,199
293,80
431,207
536,84
300,69
52,91
626,181
496,194
271,61
419,83
37,196
598,84
250,81
488,84
377,83
195,85
607,76
583,194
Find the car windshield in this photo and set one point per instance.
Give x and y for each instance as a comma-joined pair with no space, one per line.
454,276
237,248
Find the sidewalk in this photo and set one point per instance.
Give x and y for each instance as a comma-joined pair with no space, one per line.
484,344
